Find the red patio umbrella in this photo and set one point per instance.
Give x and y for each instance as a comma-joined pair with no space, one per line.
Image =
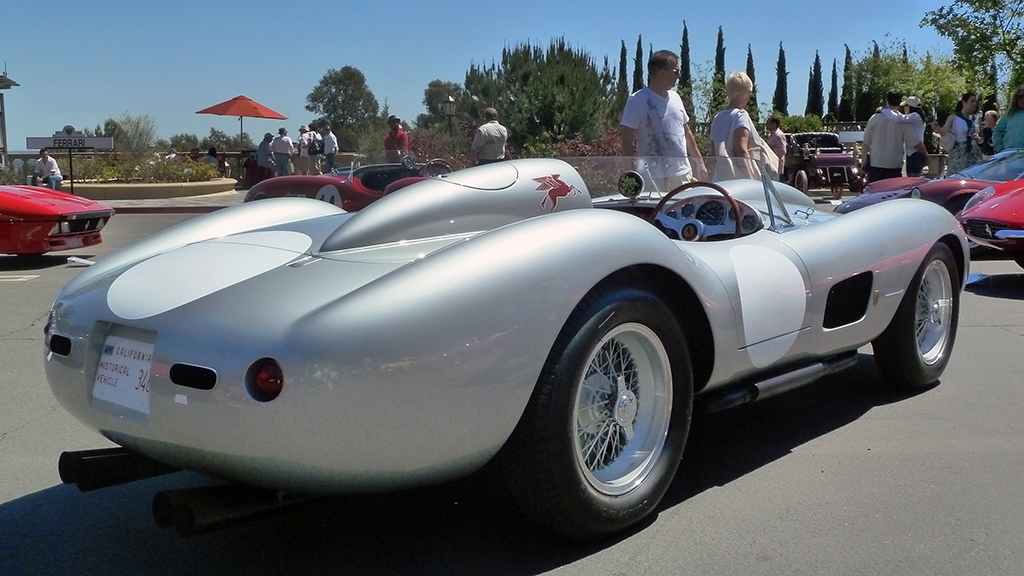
242,106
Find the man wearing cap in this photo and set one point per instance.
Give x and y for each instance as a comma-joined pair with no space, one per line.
396,143
914,115
302,163
283,149
887,137
264,157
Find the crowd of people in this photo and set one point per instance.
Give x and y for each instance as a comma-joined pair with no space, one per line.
314,152
654,126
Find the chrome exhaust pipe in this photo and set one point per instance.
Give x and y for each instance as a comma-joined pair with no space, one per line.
791,380
193,511
103,467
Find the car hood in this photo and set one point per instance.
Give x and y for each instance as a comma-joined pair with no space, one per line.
26,201
1007,208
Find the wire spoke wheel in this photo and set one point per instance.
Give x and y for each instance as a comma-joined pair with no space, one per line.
934,311
623,408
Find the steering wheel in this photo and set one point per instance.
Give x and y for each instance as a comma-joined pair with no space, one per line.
688,185
434,166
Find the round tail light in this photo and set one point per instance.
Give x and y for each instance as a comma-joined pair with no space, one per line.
264,380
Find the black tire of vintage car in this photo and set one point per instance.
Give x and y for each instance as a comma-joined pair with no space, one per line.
617,384
914,349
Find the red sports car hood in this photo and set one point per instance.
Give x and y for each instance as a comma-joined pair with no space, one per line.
27,200
1004,207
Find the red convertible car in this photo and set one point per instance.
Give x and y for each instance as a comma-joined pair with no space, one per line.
38,220
994,217
952,192
352,189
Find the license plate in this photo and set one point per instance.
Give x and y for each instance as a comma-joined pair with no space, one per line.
122,374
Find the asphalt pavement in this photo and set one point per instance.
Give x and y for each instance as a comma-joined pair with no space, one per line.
185,204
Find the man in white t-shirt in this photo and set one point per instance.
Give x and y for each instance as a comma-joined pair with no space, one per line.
655,127
488,140
46,171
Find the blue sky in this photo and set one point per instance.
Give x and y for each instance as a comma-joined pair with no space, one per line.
80,62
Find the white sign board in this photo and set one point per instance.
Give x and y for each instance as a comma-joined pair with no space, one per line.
72,140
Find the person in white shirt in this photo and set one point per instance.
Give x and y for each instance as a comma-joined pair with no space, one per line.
655,127
283,149
46,171
489,140
887,138
330,147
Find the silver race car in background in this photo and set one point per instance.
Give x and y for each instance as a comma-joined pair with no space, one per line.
551,317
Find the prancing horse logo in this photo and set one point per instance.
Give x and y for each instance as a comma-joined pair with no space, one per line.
555,188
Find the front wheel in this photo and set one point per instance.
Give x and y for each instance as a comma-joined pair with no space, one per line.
914,349
603,434
800,181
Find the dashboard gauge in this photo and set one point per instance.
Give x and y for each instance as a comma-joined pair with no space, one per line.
711,213
687,211
749,222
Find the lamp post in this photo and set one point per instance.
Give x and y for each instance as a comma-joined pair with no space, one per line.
5,83
448,109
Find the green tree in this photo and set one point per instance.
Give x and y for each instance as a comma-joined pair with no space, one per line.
134,136
982,32
752,106
621,85
685,88
780,102
549,95
719,98
436,92
343,99
939,82
845,113
833,93
815,104
638,66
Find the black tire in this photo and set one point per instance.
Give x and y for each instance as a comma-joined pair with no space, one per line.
549,472
913,351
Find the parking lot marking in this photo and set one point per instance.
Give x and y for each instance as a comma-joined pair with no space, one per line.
19,278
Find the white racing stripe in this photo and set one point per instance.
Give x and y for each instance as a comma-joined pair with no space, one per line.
773,300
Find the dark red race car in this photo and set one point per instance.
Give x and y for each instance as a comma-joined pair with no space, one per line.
994,217
38,220
351,188
952,192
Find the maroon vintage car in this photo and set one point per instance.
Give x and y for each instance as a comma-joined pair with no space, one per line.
817,160
952,192
351,188
38,220
994,217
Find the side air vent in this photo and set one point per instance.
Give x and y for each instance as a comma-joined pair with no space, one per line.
198,377
60,345
848,300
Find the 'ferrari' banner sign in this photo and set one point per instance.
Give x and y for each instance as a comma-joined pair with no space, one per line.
73,140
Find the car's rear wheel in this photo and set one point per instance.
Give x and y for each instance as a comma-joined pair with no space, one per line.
604,431
915,347
800,181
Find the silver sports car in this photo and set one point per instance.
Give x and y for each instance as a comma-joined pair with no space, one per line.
552,317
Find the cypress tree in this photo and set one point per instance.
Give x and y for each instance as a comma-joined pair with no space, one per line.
833,93
638,66
814,89
845,113
685,78
752,104
780,102
719,100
